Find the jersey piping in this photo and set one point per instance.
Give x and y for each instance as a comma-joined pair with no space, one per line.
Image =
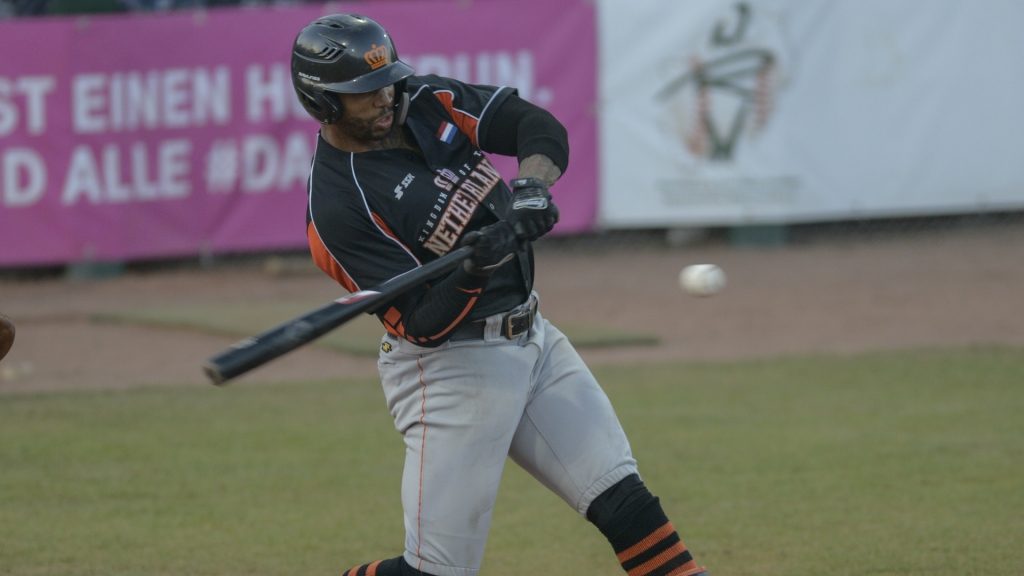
373,217
421,89
325,261
467,123
486,107
392,320
323,257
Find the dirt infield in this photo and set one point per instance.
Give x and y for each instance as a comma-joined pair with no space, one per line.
955,285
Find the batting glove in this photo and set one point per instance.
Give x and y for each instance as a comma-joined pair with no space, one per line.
492,245
532,213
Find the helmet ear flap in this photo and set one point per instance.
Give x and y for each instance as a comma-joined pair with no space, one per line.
332,108
324,106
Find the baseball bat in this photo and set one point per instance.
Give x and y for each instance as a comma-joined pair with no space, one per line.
257,350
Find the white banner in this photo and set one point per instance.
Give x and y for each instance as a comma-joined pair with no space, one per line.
722,112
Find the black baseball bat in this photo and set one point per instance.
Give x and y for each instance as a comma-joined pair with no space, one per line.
258,350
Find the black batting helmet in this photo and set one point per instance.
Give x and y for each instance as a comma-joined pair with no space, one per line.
345,54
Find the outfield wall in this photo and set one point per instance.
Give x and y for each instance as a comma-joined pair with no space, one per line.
779,111
157,135
154,135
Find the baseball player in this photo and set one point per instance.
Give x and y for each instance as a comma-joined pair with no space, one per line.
471,371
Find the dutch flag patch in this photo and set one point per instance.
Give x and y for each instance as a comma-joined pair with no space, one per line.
446,133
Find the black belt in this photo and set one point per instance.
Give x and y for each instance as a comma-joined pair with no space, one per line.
514,323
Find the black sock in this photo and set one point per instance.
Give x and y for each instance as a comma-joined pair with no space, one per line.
643,538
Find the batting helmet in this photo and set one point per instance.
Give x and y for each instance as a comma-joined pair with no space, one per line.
345,54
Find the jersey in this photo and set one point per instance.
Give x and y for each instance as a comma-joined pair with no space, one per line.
374,215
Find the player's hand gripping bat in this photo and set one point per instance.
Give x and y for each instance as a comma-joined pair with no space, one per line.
258,350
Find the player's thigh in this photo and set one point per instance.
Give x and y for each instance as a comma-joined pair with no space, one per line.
457,408
475,388
570,437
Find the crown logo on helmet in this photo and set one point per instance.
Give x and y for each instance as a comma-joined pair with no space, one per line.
376,56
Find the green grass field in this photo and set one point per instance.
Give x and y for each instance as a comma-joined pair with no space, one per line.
889,464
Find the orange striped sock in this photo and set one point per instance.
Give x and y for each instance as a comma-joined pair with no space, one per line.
644,540
363,569
661,552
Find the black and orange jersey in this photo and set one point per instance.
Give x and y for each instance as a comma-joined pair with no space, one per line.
376,214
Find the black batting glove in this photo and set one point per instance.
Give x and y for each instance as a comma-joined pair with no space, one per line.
492,245
532,213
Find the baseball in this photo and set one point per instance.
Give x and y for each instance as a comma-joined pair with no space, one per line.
6,335
702,279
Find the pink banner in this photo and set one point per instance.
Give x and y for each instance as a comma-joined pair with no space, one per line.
134,137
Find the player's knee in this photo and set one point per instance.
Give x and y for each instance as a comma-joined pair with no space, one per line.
615,508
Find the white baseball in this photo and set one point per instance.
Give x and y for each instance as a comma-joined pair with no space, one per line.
702,279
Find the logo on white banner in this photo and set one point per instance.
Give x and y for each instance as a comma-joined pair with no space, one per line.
726,90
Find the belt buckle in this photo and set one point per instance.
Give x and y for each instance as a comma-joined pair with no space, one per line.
519,321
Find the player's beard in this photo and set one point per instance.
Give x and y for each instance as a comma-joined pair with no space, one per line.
367,131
